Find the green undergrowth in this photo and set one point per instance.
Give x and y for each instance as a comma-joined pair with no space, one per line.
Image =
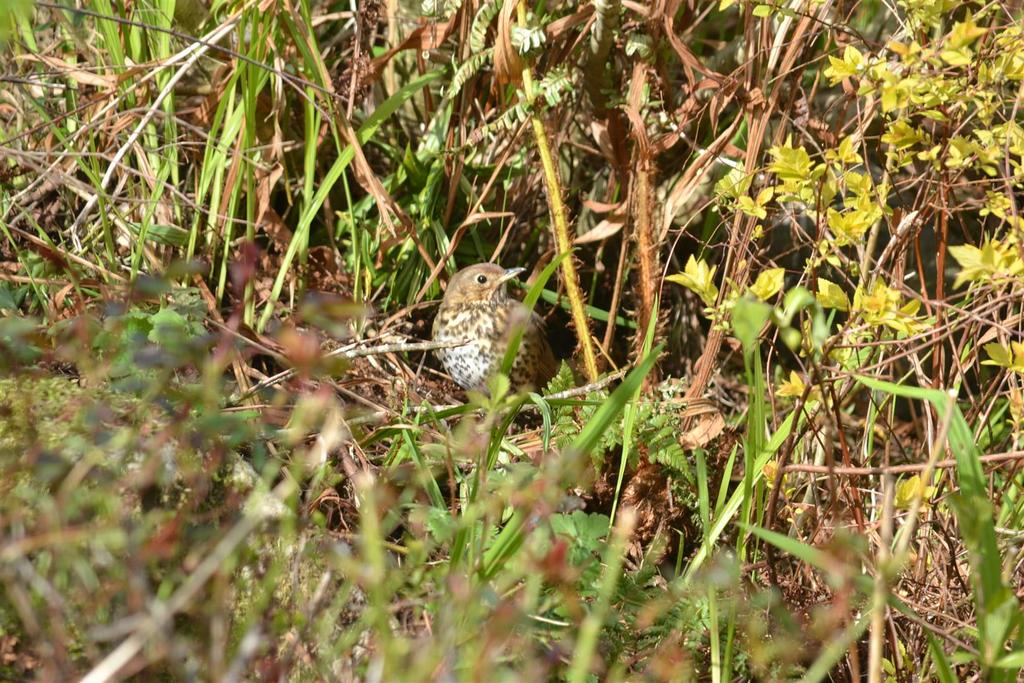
461,557
118,487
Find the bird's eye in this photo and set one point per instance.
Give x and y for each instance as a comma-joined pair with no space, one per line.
482,279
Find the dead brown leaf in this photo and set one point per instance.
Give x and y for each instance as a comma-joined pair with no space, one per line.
706,429
602,231
72,72
508,65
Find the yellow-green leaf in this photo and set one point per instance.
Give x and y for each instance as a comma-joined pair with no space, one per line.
831,295
882,307
995,259
845,153
958,57
998,355
747,206
965,32
699,278
734,184
911,488
850,226
793,387
1010,357
851,64
768,283
793,167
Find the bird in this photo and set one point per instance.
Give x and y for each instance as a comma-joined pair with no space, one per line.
477,307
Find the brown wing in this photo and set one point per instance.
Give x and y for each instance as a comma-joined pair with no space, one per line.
547,365
535,363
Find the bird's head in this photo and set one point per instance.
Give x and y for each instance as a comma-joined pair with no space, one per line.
482,283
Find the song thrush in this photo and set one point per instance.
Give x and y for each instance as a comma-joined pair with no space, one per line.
477,307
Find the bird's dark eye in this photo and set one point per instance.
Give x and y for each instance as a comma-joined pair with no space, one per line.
482,279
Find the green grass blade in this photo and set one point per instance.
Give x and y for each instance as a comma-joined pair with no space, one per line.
366,131
999,614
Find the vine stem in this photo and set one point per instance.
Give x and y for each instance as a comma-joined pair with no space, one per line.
560,223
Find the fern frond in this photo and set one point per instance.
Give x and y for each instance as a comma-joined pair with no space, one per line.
478,32
439,9
511,118
554,84
467,69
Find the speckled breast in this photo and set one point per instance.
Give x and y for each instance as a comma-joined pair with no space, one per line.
470,365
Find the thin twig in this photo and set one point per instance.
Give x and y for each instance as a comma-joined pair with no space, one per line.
899,469
587,388
350,352
398,348
558,396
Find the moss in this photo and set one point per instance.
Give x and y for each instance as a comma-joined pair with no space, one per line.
52,413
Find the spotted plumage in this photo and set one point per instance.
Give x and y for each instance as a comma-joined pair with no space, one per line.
476,307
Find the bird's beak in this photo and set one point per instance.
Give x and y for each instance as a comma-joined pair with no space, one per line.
510,274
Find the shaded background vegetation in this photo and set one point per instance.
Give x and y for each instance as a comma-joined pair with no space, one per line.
794,299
